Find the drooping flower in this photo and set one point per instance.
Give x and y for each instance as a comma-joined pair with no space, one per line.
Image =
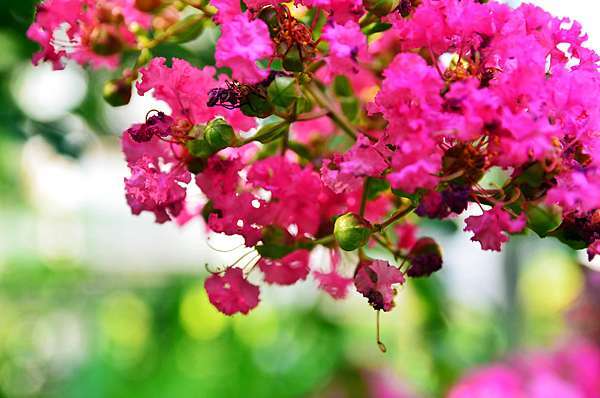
231,293
375,279
156,125
490,229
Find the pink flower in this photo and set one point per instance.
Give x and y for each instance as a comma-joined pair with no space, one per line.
287,270
240,51
407,234
149,188
158,180
332,281
576,191
340,10
293,190
228,9
233,212
347,172
231,293
317,129
490,229
347,44
374,280
88,32
494,382
185,89
593,250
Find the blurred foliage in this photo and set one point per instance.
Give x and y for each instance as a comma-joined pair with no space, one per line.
71,332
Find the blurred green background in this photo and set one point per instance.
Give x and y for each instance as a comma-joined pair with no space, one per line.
97,303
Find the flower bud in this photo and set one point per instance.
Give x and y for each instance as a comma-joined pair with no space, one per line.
351,231
117,92
105,40
425,258
219,134
199,148
380,7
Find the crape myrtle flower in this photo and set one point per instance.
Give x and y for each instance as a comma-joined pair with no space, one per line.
342,124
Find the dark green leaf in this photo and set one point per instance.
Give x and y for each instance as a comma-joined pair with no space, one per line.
282,91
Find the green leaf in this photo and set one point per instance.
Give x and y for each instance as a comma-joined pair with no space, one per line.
300,149
189,34
414,197
377,27
303,105
282,91
271,131
342,87
568,238
350,108
376,186
542,219
272,250
292,61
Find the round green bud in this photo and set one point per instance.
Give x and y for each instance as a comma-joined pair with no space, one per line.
117,92
219,134
199,148
380,7
351,231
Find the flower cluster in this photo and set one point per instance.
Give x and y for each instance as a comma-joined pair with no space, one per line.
569,372
329,121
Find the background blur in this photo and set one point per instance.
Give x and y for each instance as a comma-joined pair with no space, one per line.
97,303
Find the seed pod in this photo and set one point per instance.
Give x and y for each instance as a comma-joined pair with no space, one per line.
425,258
351,231
117,92
147,5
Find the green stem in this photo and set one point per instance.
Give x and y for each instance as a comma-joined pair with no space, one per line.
174,29
309,244
364,197
367,20
333,114
405,209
